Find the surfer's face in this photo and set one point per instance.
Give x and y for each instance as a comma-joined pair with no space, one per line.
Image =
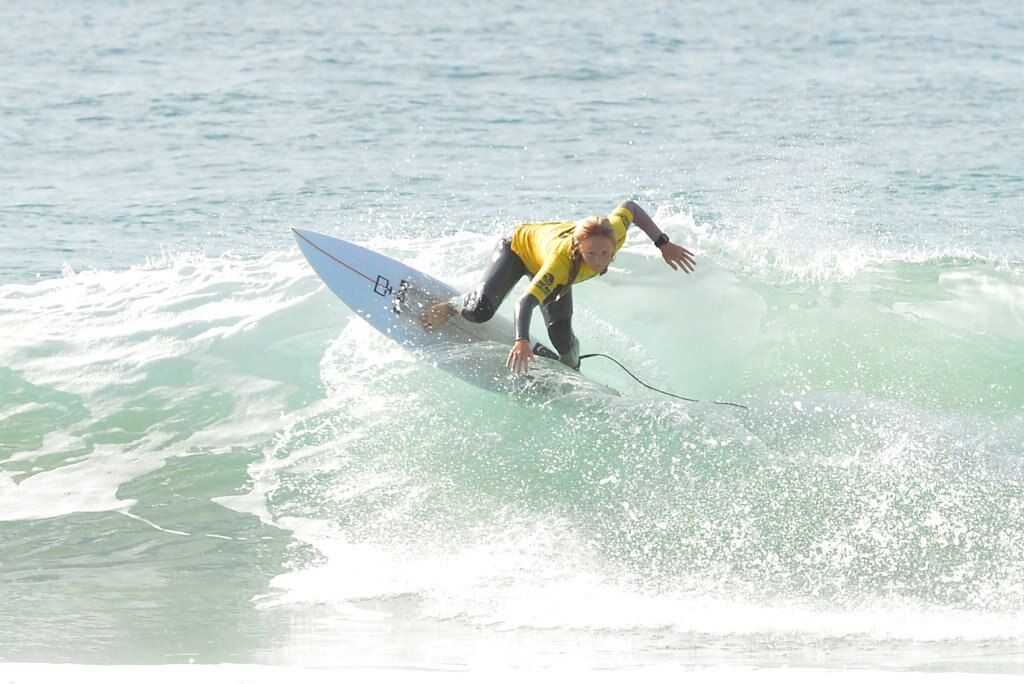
597,252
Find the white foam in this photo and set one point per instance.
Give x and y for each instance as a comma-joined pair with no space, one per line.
88,485
54,443
95,330
536,576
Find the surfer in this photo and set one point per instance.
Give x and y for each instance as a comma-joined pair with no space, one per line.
555,256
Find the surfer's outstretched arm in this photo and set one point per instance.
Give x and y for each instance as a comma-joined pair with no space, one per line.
674,255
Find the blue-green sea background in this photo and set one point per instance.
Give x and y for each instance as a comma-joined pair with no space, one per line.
204,456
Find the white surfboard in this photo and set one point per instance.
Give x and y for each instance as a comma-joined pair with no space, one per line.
390,296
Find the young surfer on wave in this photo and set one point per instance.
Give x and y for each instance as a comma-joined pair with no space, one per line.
556,256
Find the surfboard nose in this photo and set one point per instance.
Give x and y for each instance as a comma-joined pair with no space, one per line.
309,241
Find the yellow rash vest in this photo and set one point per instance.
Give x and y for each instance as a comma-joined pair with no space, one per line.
544,249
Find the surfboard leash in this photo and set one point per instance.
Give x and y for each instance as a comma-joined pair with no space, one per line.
661,391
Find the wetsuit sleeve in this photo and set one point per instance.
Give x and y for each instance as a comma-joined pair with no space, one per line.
524,312
553,273
639,217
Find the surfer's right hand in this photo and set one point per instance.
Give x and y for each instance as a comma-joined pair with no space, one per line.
520,356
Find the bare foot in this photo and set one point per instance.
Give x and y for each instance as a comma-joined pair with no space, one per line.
435,316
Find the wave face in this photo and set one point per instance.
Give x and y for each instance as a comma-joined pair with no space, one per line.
872,488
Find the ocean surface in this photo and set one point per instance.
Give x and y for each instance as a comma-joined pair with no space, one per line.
206,458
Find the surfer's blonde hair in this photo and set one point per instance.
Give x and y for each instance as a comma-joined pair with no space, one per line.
592,226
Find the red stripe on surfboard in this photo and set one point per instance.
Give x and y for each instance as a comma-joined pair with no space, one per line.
334,258
373,281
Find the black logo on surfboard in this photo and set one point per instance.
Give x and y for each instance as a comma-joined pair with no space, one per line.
382,286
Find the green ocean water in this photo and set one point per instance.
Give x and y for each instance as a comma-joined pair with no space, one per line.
205,457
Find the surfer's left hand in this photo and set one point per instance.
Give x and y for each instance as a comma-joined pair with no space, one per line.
678,257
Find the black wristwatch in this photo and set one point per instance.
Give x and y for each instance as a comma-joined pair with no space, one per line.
662,240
